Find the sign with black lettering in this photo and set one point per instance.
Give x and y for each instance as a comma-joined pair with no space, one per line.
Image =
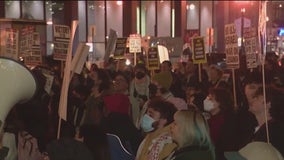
251,49
12,43
35,58
198,49
26,40
231,47
153,58
120,48
62,35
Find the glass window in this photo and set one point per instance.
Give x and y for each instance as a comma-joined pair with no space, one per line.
82,21
148,18
114,16
32,10
96,20
164,18
192,8
12,9
54,15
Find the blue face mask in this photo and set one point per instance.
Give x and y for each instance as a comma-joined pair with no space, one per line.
146,123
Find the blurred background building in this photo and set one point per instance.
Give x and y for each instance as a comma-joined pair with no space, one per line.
148,18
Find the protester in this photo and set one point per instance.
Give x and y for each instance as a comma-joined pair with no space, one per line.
191,133
176,84
216,79
95,139
255,151
139,91
158,142
95,108
68,149
272,110
222,121
163,81
122,127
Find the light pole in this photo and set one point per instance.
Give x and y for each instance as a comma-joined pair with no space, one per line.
243,10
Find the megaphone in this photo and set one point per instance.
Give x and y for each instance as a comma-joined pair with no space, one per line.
17,85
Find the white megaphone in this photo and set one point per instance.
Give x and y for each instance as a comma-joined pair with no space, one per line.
17,85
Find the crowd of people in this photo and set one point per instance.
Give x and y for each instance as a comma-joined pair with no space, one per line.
178,112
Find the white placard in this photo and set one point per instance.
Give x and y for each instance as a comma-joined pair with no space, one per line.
134,43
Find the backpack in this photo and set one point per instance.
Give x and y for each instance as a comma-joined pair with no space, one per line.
27,147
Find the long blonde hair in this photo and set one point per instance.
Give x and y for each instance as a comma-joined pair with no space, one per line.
193,128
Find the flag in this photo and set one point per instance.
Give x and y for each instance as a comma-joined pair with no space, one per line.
62,110
262,26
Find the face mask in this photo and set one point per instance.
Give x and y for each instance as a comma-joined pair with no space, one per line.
146,123
208,105
139,75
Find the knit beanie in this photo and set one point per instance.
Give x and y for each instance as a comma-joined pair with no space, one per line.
164,79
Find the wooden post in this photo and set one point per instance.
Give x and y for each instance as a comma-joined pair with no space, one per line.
135,58
234,89
199,72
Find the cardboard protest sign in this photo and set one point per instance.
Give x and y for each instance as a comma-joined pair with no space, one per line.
134,43
120,48
231,47
250,44
198,49
153,58
12,43
62,36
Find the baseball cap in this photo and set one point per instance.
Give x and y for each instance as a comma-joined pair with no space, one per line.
255,151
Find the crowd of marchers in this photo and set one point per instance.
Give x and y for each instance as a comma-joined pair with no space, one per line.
181,111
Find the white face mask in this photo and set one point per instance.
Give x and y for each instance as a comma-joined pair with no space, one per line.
208,105
146,123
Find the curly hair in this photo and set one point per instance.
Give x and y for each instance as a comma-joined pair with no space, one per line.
165,108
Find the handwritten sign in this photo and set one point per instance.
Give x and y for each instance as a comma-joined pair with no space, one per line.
12,43
35,58
251,49
134,43
26,40
231,47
